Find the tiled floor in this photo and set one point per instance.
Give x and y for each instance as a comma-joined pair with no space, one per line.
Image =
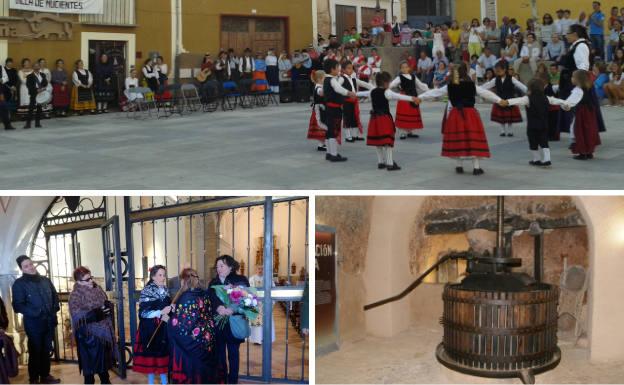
266,149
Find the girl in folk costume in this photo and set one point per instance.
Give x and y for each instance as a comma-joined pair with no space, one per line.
335,95
150,75
259,74
381,129
537,107
60,89
408,118
351,108
154,308
104,91
82,94
92,324
586,127
132,82
272,71
505,87
462,129
375,61
47,108
24,94
317,130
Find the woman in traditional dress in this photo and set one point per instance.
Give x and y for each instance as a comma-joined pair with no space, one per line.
24,94
60,89
192,335
104,90
152,358
92,323
82,94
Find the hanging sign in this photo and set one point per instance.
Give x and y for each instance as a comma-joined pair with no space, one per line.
59,6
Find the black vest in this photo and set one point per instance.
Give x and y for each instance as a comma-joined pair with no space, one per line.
568,61
462,94
84,79
331,96
537,114
381,106
505,89
348,84
408,86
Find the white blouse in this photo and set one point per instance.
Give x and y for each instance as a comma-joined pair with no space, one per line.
517,83
420,86
77,81
389,94
575,98
525,101
440,92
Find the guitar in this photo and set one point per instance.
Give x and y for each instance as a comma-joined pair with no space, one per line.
204,75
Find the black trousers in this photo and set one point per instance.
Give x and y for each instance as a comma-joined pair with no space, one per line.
31,108
5,115
537,139
104,378
226,343
39,354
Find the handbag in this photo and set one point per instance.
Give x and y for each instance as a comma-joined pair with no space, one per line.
239,327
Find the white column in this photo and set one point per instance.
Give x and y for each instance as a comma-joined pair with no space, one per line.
314,22
4,50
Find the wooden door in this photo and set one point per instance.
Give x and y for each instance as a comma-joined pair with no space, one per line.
236,33
368,14
346,18
257,34
268,33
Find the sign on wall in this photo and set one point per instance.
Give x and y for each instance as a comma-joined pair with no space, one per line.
59,6
326,291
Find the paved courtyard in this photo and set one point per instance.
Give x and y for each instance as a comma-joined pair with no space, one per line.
266,149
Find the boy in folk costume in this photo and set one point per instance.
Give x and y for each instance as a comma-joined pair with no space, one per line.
537,107
381,128
247,65
408,118
505,87
317,130
463,132
586,126
335,95
374,62
351,108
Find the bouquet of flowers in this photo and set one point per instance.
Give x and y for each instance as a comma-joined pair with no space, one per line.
243,300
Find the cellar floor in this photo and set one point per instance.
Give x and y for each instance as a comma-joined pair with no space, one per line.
409,357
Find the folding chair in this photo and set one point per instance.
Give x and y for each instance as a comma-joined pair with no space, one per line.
190,97
173,103
261,96
145,104
247,94
210,96
231,96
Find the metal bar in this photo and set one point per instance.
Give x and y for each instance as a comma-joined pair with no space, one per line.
248,267
233,238
191,239
153,239
500,216
131,273
288,304
289,248
74,226
267,302
120,302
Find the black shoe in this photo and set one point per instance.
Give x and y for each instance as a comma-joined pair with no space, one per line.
381,166
546,164
31,381
413,136
350,140
50,380
338,158
359,139
459,170
590,156
9,128
581,157
510,135
321,148
328,156
394,167
403,137
27,126
535,163
503,135
38,125
478,171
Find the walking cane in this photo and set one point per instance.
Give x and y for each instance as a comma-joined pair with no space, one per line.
175,299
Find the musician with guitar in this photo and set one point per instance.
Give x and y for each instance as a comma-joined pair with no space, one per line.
5,96
38,89
207,69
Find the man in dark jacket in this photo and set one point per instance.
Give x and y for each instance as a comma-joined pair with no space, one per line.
36,299
36,82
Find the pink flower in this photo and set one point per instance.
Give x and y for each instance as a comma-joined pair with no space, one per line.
195,332
207,336
174,322
236,296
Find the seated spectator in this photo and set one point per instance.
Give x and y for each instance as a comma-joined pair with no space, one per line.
554,74
474,65
419,42
510,52
618,58
489,75
346,37
366,40
440,76
406,34
424,69
440,58
554,50
333,42
614,38
615,88
530,54
600,72
487,59
355,35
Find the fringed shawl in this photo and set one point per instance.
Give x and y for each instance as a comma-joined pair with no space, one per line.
84,299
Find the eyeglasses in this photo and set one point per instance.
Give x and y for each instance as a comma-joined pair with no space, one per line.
194,276
87,280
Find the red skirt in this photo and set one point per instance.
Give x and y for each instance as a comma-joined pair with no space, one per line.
60,98
381,131
586,133
408,116
148,362
315,131
351,112
506,114
464,135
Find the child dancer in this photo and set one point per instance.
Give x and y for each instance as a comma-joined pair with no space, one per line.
462,130
537,108
317,129
408,118
505,87
586,117
351,108
381,128
334,98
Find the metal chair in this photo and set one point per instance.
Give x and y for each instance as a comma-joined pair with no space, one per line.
144,104
211,94
173,103
231,96
190,96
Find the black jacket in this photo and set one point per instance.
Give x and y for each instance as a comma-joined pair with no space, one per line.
4,318
35,297
33,85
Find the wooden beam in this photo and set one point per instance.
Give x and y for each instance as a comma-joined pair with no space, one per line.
74,226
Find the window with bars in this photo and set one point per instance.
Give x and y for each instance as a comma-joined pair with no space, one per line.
429,7
116,12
